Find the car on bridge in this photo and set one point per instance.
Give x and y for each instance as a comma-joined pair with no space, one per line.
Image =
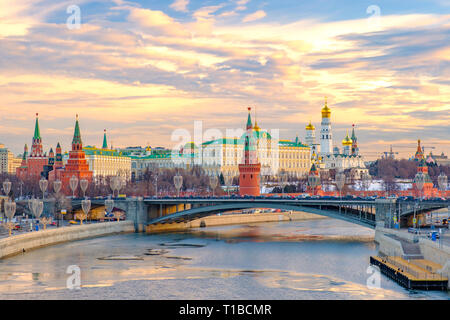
433,235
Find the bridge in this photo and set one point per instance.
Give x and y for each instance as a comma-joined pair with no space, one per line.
367,213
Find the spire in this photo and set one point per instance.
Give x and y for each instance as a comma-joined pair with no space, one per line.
58,156
51,157
105,144
353,134
249,120
25,152
76,134
419,153
37,133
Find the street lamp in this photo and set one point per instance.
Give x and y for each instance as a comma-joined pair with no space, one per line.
228,177
112,184
43,184
283,176
10,210
340,182
419,180
6,186
73,182
365,181
156,185
116,184
37,207
86,206
84,185
313,182
442,182
178,182
109,205
213,181
57,184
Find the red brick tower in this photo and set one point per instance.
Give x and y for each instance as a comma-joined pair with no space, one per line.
58,167
36,160
21,171
427,190
249,180
419,153
314,186
76,164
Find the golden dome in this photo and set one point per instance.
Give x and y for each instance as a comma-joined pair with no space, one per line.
310,126
347,141
326,112
256,128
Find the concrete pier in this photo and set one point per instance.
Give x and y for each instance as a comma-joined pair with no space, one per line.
408,246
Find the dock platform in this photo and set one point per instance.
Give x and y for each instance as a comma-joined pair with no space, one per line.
414,274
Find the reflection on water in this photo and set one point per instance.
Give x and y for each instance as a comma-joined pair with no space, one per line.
260,261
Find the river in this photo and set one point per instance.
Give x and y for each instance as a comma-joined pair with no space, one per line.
286,260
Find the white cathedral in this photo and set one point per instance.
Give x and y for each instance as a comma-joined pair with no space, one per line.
325,156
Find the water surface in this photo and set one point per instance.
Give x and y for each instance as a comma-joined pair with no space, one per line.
258,261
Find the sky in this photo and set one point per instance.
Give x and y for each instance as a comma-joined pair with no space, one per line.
143,69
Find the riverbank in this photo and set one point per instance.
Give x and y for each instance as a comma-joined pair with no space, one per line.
33,240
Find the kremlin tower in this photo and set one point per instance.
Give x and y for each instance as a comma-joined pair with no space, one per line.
76,164
310,134
58,157
419,153
427,189
355,149
326,141
105,143
314,186
21,171
33,164
249,180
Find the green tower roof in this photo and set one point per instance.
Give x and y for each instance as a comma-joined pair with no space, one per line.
77,134
37,133
105,144
249,120
25,152
353,133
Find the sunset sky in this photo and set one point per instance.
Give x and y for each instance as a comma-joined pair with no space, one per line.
142,69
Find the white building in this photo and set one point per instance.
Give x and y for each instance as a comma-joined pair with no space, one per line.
328,157
8,162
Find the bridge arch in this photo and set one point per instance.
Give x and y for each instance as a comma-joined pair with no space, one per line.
199,212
